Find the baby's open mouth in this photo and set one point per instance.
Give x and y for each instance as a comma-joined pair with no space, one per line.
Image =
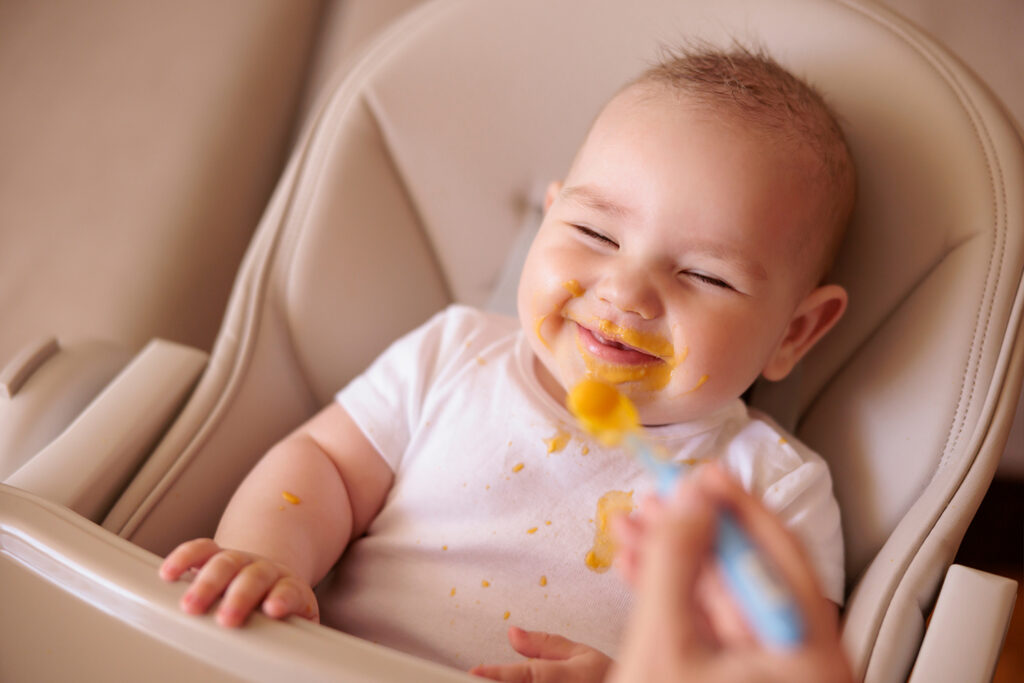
613,350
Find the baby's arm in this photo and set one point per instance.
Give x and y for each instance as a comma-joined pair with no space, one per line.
287,524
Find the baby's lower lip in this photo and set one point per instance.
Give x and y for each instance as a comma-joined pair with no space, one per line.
612,352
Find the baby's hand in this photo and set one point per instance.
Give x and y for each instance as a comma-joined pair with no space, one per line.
551,658
244,579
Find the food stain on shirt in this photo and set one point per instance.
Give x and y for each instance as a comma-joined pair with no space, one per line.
518,467
291,498
543,580
506,615
480,361
532,530
611,504
485,583
452,593
782,441
557,442
585,450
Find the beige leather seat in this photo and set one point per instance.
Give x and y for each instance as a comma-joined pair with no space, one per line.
416,181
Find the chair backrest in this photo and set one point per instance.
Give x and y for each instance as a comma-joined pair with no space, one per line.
421,170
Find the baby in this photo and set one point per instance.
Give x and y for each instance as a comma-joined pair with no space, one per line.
682,257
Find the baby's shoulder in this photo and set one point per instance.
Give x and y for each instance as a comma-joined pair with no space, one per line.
459,332
769,453
460,318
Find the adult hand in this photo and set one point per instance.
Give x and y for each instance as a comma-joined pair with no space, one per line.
684,625
245,580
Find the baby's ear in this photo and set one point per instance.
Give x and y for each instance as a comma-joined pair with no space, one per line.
815,316
554,187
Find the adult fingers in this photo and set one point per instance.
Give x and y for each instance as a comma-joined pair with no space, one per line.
667,616
677,542
726,621
775,542
628,534
188,555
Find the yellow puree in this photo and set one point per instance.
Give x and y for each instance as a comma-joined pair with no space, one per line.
653,376
559,441
613,503
574,288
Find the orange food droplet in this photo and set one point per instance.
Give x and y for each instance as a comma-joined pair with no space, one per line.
558,441
444,547
543,580
507,615
291,498
532,530
700,383
485,583
782,441
518,467
453,592
574,288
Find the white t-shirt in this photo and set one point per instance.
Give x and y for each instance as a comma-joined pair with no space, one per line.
493,508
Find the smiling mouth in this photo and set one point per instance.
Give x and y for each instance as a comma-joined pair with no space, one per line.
612,350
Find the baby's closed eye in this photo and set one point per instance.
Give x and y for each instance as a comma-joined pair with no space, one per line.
596,236
706,278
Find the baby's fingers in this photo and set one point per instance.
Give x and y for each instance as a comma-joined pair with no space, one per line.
247,590
188,555
291,595
212,580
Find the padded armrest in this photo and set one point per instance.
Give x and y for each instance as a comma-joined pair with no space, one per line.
967,628
44,388
84,604
87,466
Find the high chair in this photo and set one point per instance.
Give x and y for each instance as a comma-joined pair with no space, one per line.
416,185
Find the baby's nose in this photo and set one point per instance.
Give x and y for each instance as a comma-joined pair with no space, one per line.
630,290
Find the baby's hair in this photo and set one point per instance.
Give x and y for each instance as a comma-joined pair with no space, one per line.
746,84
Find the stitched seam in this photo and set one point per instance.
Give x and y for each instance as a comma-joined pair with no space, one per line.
960,416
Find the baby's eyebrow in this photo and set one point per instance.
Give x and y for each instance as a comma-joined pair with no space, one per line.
724,252
593,198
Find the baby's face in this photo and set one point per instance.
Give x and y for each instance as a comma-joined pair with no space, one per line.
668,261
